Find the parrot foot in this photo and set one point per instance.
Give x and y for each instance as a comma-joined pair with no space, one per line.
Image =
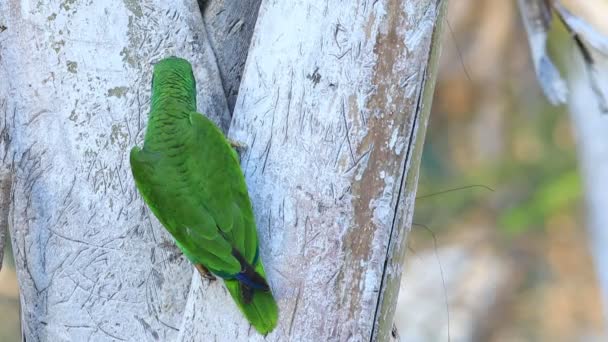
204,272
238,146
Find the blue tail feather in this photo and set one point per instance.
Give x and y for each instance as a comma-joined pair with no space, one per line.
251,283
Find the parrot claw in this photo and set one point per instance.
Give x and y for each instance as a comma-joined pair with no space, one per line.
205,272
238,146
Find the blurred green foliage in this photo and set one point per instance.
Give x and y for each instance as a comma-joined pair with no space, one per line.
534,174
527,192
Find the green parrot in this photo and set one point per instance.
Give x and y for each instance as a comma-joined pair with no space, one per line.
189,175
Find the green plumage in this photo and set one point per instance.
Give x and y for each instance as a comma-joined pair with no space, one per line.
190,177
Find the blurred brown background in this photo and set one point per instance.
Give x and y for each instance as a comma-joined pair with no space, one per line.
515,261
9,300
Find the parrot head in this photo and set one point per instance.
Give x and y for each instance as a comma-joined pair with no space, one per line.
170,72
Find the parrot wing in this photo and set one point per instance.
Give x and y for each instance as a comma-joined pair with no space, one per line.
191,224
221,188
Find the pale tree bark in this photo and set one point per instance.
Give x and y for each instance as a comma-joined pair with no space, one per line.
75,89
591,128
537,19
588,104
230,25
333,109
589,111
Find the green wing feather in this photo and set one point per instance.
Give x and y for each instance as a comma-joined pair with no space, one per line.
187,192
228,202
239,224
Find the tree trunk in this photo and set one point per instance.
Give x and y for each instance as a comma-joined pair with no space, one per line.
333,109
91,259
230,26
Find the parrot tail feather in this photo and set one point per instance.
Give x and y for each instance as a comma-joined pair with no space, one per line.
246,293
257,304
248,276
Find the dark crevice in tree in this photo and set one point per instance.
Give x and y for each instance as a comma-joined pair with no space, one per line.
202,6
229,26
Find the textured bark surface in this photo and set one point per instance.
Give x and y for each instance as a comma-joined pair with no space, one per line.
230,25
74,99
331,109
391,282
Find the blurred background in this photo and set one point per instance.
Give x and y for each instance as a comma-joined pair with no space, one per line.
515,261
10,330
512,264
